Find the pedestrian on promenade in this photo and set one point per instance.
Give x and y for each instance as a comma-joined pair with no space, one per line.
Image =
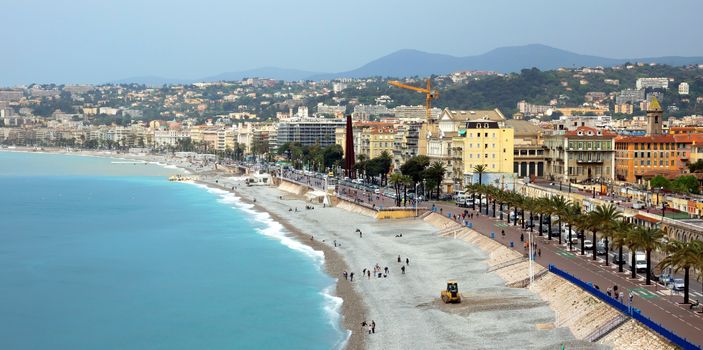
539,252
609,292
502,233
622,297
522,237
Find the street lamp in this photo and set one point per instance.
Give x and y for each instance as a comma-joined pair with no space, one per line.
417,183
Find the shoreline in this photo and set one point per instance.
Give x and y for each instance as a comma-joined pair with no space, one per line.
353,306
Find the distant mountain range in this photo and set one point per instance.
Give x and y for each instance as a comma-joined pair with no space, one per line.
405,63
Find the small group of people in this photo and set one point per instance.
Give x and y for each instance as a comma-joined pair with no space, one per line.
371,327
308,207
291,209
407,262
349,276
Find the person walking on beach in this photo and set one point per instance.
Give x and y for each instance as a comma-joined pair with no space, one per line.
398,258
407,261
368,272
402,269
344,274
351,277
385,270
373,326
335,243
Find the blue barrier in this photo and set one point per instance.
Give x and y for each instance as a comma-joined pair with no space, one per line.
625,309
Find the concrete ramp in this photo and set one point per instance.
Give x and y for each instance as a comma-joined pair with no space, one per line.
292,188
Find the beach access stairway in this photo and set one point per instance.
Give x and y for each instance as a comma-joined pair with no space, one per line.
576,309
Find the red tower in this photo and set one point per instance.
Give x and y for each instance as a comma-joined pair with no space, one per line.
349,150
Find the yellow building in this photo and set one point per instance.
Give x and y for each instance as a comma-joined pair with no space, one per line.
370,138
489,143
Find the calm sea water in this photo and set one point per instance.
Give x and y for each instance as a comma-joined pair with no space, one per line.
91,261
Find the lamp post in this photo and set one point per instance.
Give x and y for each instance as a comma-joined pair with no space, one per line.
416,184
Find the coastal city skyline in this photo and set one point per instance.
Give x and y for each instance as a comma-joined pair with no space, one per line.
127,40
360,175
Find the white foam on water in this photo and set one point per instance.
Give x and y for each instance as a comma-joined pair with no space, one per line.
273,229
332,306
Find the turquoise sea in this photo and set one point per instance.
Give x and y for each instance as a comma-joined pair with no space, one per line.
97,254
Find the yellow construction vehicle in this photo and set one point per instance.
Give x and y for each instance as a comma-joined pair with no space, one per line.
451,295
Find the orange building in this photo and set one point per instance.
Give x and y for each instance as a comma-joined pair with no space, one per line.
640,158
643,157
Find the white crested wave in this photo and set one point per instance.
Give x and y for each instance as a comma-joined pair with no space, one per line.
273,229
332,305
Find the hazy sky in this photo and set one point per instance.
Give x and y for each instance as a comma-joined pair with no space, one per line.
99,40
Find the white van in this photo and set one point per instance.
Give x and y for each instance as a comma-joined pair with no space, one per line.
640,261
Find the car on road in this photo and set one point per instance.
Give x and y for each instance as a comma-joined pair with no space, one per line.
677,284
588,244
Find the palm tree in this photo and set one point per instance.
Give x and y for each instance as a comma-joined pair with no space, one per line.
681,255
396,179
437,171
649,239
480,169
581,223
621,234
407,181
560,205
632,243
571,213
605,217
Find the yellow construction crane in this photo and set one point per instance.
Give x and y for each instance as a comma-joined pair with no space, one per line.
428,93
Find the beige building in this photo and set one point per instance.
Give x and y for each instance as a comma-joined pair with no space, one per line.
581,154
529,152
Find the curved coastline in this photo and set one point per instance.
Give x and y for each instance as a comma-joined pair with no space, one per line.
347,306
343,305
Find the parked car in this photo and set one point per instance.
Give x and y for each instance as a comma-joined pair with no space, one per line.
588,244
677,284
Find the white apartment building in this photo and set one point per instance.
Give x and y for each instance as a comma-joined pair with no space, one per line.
683,88
165,138
654,83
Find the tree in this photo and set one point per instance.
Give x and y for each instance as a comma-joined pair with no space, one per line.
414,167
660,182
435,173
480,169
697,166
649,239
622,232
682,256
686,184
407,181
605,217
560,205
396,179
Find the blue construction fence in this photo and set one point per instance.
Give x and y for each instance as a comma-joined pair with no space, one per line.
625,309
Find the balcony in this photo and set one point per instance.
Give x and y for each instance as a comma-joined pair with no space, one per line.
589,161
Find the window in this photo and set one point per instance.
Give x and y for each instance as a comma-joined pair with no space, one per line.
485,125
494,156
486,135
493,145
478,156
494,166
494,135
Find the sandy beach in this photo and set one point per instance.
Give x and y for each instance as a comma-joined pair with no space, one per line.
406,307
